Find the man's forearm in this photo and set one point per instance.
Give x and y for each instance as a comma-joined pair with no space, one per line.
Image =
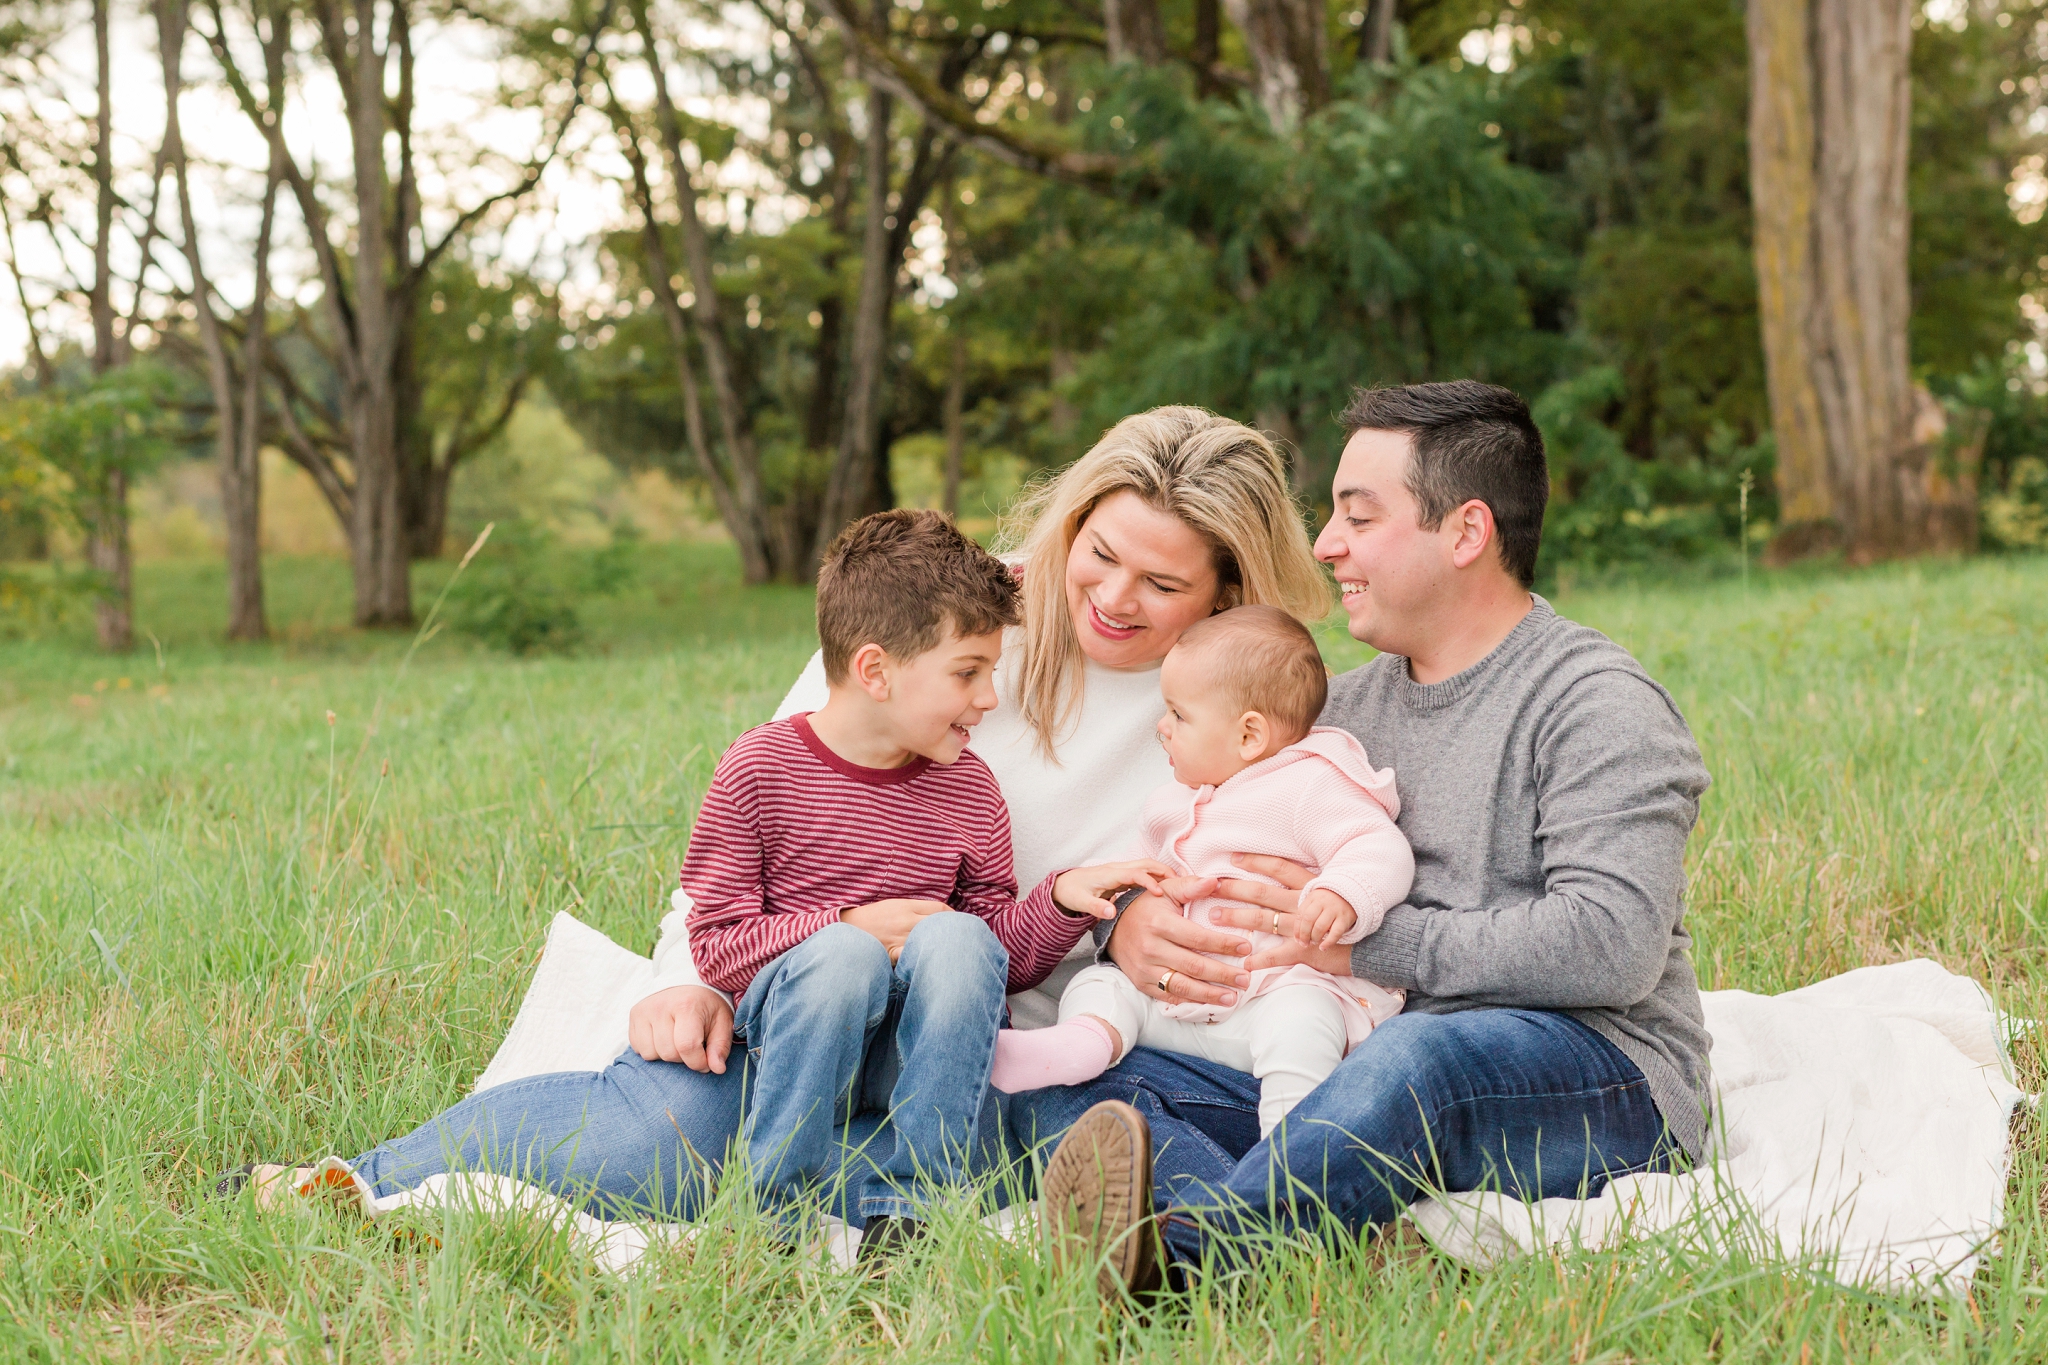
1565,951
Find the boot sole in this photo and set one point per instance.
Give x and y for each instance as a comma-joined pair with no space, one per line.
1098,1198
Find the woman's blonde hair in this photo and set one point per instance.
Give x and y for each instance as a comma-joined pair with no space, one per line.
1225,481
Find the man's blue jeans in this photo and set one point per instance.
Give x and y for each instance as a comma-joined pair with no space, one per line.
834,1029
1529,1102
645,1137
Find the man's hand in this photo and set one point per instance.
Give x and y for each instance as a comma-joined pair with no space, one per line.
1277,910
687,1024
1324,917
1153,937
891,921
1086,890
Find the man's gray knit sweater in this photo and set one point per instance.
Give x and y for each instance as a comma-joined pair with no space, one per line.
1548,791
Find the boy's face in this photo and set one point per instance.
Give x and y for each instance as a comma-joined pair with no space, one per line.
1207,740
937,698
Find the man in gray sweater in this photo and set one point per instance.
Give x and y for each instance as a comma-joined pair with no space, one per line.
1552,1037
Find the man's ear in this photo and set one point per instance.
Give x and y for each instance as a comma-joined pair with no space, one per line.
871,670
1472,533
1253,730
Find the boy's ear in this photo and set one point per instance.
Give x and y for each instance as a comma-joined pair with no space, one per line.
869,671
1253,729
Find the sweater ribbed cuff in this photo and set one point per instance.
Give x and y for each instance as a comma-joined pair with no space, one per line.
1391,955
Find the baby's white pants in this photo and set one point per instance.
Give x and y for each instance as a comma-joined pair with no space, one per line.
1290,1038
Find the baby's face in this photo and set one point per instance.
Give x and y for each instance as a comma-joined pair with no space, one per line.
1207,739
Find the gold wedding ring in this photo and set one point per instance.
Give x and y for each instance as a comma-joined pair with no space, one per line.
1276,921
1162,982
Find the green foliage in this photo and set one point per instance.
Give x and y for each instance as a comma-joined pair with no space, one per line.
1396,243
2004,406
119,420
57,448
524,596
1610,508
33,494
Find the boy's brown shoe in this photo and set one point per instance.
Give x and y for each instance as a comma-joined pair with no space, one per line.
1097,1200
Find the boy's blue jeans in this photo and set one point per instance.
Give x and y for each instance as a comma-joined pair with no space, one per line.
648,1137
833,1029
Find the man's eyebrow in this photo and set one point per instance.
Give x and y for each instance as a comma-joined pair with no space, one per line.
1346,494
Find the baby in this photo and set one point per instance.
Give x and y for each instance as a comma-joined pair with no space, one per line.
1254,774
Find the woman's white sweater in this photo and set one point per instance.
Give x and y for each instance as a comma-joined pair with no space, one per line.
1078,810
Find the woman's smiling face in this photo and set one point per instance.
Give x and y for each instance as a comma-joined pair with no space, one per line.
1136,578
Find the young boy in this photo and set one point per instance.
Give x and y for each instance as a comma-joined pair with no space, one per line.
852,878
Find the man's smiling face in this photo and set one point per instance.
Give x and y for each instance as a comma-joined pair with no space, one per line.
1393,572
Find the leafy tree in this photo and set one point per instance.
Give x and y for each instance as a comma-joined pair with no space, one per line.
66,452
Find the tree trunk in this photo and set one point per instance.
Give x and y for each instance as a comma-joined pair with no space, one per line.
746,528
748,494
956,424
1376,34
1133,32
1289,56
853,472
1830,100
238,418
1278,423
106,548
1208,47
242,469
377,544
107,537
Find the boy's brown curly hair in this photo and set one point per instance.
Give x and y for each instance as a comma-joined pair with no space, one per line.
899,580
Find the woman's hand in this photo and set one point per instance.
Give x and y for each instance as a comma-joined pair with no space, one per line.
687,1024
1276,910
1153,938
892,920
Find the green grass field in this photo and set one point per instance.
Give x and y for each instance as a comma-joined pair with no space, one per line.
282,901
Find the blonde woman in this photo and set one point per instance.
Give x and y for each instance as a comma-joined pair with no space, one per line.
1174,515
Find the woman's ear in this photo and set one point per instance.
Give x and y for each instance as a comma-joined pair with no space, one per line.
870,669
1253,730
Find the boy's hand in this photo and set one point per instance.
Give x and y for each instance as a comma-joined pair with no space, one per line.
687,1024
1086,890
891,921
1325,916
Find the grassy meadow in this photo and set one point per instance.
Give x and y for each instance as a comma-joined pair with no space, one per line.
279,901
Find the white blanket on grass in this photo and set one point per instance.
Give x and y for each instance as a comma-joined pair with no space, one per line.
1861,1127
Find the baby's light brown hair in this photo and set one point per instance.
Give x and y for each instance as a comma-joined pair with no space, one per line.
1263,660
899,580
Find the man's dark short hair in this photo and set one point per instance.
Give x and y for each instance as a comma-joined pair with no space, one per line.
1471,441
899,580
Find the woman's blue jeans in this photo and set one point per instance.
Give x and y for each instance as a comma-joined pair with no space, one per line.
1529,1102
646,1137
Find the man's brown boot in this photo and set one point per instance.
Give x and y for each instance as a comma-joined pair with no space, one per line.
1097,1200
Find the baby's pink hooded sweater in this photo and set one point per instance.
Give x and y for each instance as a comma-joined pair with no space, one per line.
1318,802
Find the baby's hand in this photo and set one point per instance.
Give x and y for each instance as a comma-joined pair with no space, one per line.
1086,890
1324,917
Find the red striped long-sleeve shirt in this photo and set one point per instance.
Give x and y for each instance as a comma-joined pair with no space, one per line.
791,834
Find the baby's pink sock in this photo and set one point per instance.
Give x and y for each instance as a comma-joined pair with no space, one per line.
1065,1054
